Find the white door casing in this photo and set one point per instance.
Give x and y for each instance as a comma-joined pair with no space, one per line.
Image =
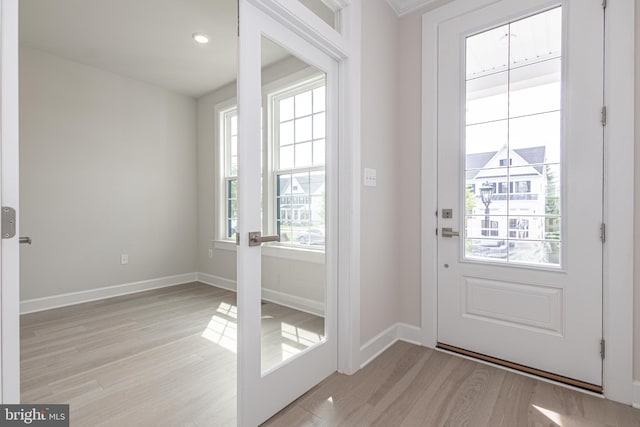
547,318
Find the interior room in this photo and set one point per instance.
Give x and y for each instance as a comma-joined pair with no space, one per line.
320,212
129,136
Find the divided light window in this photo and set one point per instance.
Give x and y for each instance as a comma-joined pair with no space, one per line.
294,199
229,134
513,142
299,131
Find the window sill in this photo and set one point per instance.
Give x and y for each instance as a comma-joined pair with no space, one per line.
315,256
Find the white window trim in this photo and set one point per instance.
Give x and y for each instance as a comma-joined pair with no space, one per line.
271,93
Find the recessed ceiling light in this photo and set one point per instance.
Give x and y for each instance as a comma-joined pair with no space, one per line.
200,38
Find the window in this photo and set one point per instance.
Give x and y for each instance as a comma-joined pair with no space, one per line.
299,172
229,139
294,185
513,82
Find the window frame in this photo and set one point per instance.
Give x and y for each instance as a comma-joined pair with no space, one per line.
272,92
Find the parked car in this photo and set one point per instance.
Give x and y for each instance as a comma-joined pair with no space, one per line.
312,236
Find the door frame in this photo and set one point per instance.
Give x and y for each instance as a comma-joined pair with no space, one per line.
618,205
345,48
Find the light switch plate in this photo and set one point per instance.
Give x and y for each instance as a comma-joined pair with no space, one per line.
370,177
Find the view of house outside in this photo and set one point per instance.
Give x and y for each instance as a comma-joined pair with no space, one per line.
513,142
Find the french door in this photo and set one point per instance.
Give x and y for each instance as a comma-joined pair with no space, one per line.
287,216
520,184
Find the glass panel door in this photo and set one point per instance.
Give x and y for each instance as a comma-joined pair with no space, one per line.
287,217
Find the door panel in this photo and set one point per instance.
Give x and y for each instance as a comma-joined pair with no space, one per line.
287,191
520,93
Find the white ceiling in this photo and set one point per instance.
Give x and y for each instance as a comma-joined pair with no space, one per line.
148,40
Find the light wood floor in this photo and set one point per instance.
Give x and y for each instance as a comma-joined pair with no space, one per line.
414,386
159,358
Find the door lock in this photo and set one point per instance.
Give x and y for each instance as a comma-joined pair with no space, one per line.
448,232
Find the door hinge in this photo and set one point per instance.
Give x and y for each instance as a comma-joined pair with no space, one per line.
604,4
603,232
8,222
602,348
603,116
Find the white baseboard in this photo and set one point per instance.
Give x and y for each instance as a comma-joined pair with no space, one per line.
385,339
636,394
63,300
291,301
219,282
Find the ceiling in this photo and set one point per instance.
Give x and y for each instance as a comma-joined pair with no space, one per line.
148,40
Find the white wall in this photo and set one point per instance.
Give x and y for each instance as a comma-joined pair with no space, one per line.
382,219
293,277
636,322
107,166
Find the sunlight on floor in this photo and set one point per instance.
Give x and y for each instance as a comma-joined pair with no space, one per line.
553,416
299,339
222,328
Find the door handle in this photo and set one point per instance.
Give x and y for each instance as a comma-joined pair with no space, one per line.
256,238
448,232
26,240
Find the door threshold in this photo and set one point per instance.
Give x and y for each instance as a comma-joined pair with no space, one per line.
526,369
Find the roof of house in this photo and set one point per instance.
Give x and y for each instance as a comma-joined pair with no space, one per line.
532,155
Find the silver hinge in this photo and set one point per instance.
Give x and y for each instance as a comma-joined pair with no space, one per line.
603,116
602,348
8,222
603,232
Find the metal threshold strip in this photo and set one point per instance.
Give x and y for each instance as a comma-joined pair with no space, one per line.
555,377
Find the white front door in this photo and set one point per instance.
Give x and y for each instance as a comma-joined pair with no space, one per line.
520,154
287,190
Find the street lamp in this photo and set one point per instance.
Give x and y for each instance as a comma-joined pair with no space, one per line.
486,193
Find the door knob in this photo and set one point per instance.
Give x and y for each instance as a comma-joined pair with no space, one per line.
448,232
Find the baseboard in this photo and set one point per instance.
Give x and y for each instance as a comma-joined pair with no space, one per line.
636,394
297,303
63,300
385,339
219,282
292,301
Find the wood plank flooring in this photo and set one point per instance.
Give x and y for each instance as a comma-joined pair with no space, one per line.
411,386
165,357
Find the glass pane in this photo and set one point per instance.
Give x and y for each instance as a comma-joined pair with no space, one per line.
536,38
286,157
488,98
286,133
303,154
536,139
304,104
488,52
535,253
294,285
326,10
303,129
513,142
319,152
319,127
483,143
535,89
